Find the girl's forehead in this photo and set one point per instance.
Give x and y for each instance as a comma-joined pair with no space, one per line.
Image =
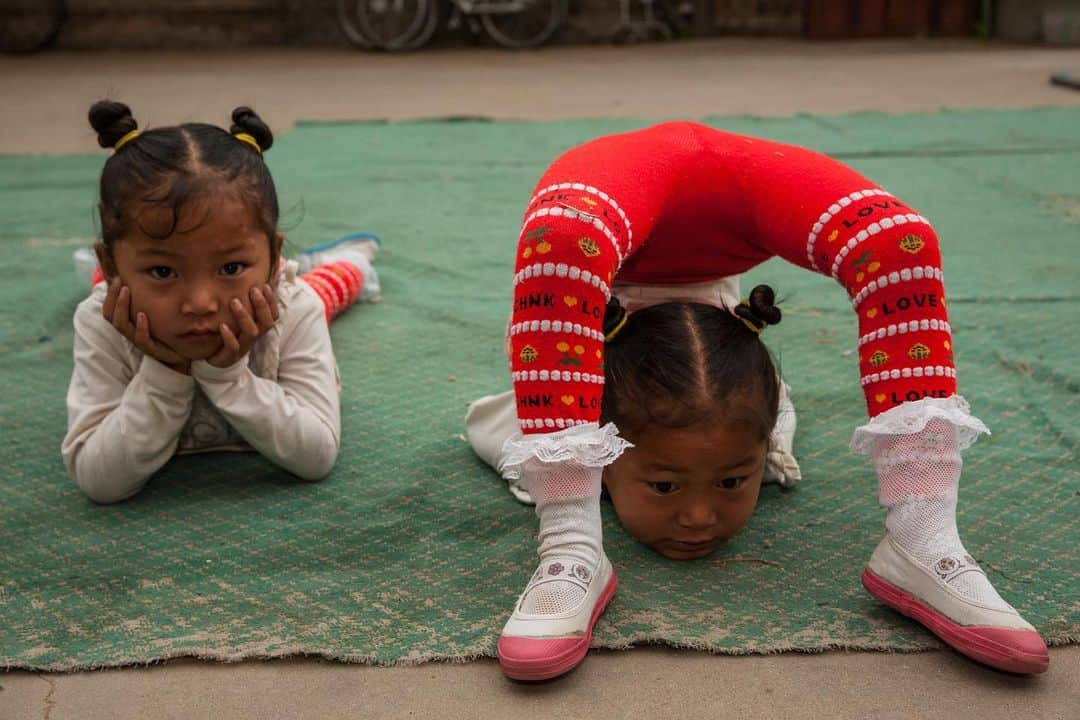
195,221
716,445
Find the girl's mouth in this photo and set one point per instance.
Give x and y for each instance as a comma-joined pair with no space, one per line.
680,550
199,334
692,546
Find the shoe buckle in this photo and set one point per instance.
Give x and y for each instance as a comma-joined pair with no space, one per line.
952,566
572,572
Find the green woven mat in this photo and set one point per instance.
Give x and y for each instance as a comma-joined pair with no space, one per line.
412,550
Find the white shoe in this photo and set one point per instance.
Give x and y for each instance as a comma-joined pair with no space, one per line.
990,632
543,646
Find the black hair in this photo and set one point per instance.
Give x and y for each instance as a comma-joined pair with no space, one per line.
673,364
167,166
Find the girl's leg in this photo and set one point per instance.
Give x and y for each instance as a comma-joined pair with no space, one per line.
338,284
341,272
550,629
921,567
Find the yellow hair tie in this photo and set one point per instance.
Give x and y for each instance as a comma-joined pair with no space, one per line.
249,139
615,330
753,328
125,140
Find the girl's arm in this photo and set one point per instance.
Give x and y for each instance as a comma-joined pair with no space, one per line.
124,421
295,421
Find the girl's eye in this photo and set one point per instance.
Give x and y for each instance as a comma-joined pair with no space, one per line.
232,268
731,483
161,272
663,488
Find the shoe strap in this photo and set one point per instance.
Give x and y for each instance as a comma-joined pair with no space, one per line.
951,567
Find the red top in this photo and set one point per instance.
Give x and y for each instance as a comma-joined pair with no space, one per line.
684,203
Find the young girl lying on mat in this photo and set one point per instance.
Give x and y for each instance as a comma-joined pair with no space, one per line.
637,368
197,335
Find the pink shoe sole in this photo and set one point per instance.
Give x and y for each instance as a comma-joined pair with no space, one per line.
1016,651
523,658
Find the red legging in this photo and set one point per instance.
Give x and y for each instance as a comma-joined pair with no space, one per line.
683,203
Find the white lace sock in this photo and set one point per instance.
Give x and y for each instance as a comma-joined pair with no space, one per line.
567,499
918,481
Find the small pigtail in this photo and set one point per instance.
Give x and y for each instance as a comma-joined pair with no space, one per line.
759,310
248,127
615,317
113,122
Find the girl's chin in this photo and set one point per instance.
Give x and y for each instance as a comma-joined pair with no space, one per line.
200,349
675,552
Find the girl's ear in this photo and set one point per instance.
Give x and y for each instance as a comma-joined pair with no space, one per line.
105,260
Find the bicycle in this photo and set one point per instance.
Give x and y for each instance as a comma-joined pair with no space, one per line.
404,25
657,19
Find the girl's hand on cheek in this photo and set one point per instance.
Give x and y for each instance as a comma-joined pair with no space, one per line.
236,344
117,310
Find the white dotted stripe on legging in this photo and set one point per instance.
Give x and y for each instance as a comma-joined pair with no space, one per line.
579,216
927,371
530,423
922,272
556,376
904,328
829,214
595,192
871,230
556,326
562,270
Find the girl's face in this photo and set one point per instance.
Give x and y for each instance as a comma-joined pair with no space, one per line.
185,282
684,491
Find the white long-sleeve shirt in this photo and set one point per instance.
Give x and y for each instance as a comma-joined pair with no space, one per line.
128,413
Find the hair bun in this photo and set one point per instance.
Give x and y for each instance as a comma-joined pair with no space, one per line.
760,308
614,316
245,120
111,121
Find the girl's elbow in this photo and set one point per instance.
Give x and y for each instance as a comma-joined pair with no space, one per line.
104,493
101,487
320,466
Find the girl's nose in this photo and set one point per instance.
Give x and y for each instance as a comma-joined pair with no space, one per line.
201,300
697,516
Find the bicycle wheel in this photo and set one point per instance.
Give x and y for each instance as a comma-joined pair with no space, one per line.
383,24
27,26
533,25
427,31
347,22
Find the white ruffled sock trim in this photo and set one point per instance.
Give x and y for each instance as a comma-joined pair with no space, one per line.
912,417
586,445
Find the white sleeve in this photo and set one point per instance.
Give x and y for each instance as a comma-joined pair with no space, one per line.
123,422
296,421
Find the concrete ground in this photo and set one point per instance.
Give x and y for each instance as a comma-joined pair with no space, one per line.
46,99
